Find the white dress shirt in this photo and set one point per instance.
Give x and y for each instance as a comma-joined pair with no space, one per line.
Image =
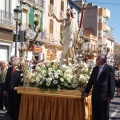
100,70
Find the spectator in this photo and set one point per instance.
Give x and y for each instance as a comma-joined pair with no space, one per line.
103,81
12,81
3,71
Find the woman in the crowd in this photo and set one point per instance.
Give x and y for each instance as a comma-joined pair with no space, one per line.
3,71
117,79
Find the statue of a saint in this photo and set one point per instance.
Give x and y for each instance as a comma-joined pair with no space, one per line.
69,34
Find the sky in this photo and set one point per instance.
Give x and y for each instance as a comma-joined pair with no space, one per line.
114,20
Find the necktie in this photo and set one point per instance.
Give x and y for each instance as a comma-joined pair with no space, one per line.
99,71
13,70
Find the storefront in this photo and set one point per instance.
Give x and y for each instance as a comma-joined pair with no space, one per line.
6,41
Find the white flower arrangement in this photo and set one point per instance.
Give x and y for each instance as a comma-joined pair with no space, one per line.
53,76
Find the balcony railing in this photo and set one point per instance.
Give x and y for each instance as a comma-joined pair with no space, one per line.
51,8
6,19
42,37
37,2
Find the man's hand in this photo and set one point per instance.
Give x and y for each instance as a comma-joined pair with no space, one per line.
5,93
109,100
15,88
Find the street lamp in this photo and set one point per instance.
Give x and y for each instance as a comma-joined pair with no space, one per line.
17,12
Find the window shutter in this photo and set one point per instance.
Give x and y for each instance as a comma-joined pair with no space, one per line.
51,26
21,14
31,16
41,21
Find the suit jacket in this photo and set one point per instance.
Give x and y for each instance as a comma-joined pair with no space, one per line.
12,79
104,87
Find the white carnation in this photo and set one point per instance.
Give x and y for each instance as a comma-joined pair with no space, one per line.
55,81
48,84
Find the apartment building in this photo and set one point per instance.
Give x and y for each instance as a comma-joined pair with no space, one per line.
95,22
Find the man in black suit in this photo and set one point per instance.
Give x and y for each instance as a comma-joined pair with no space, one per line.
11,82
102,80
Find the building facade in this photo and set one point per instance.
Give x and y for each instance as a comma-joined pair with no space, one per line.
7,28
53,28
32,10
96,22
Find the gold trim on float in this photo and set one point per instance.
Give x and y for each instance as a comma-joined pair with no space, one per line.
59,93
6,40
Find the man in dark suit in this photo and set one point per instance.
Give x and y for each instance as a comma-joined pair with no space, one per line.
11,82
102,80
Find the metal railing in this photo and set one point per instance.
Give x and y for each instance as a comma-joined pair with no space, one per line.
51,8
38,2
6,18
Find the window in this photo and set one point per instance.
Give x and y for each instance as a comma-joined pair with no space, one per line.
7,8
105,19
62,5
104,34
52,2
99,34
51,30
99,20
94,47
51,26
24,19
91,47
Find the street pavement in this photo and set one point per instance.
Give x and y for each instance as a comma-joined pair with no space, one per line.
3,116
114,110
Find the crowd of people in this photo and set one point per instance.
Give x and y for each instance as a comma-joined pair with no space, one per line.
10,79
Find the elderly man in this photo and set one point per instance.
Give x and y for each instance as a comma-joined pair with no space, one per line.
103,81
12,81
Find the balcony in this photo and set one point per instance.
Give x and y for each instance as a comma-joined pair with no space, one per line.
104,12
103,26
107,28
7,20
39,4
51,8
